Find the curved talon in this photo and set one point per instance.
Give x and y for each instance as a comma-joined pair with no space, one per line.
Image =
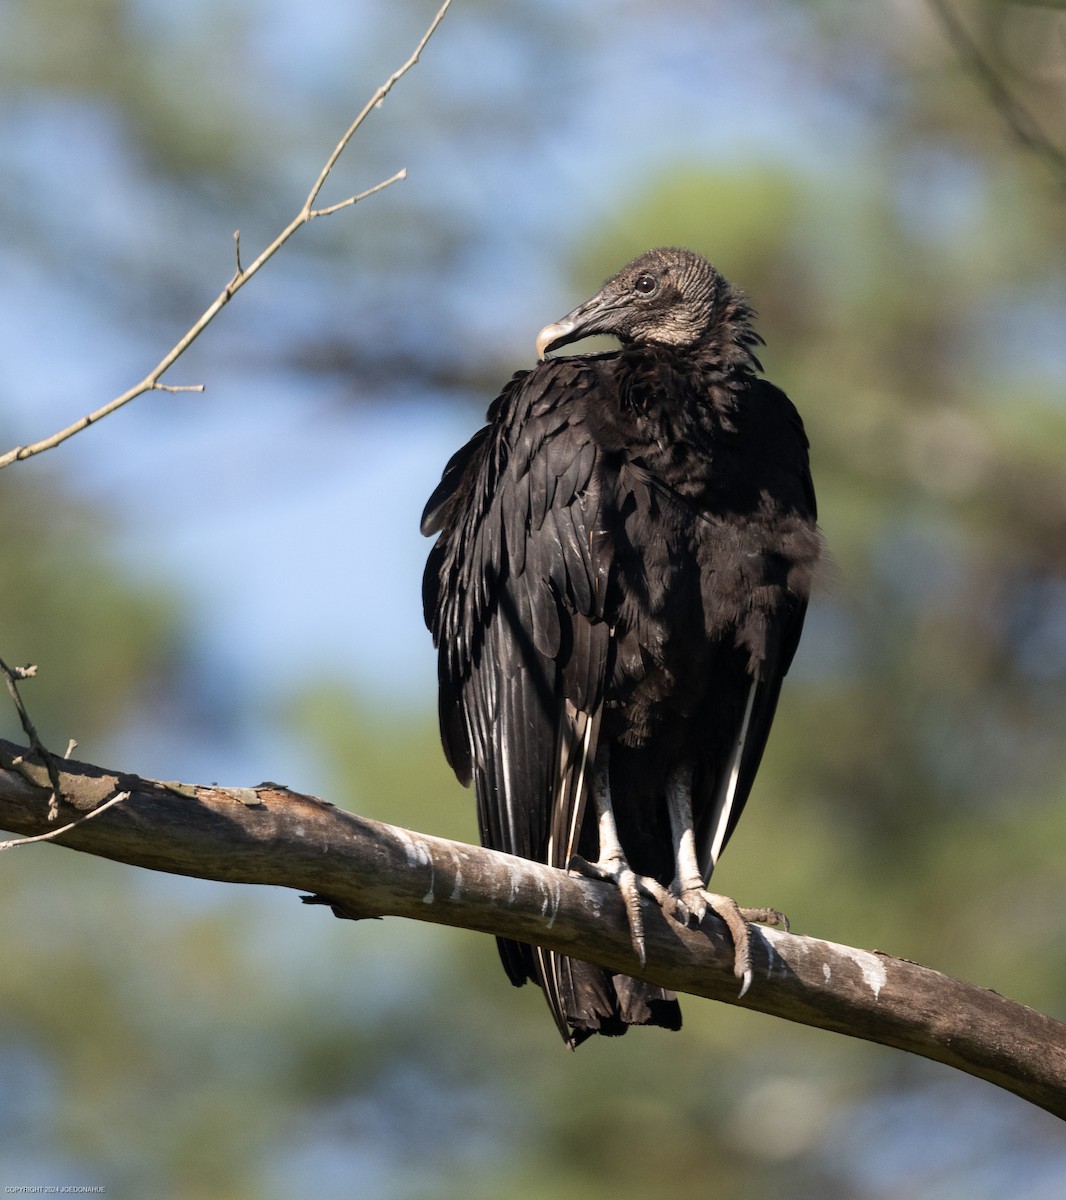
632,886
737,922
729,911
691,904
629,886
694,903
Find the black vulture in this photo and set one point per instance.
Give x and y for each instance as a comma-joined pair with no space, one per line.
624,557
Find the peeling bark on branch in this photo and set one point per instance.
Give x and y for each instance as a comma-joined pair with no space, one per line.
270,835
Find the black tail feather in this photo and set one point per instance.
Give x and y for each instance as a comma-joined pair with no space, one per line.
585,999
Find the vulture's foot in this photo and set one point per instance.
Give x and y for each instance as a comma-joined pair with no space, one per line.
697,900
615,869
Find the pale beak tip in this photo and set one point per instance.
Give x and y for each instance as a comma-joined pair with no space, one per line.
547,335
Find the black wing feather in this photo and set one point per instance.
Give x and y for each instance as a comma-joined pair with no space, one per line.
779,539
511,596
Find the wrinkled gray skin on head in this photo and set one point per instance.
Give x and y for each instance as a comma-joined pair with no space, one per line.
666,296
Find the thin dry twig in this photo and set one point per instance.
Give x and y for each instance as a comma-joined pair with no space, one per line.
151,382
11,676
54,833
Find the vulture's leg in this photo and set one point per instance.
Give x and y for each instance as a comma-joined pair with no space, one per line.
612,864
688,883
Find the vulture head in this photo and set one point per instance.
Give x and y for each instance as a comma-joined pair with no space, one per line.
667,297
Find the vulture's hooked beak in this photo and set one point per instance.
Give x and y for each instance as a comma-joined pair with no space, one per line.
584,321
550,336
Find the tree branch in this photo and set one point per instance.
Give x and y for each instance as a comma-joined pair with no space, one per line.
151,382
270,835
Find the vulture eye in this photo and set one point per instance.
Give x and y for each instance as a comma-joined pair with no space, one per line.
645,284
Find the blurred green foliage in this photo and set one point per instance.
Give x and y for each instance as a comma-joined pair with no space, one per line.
171,1038
104,643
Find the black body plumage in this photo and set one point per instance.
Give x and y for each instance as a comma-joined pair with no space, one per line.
618,586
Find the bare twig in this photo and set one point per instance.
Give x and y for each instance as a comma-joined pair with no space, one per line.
363,868
11,676
54,833
1024,127
374,102
242,275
